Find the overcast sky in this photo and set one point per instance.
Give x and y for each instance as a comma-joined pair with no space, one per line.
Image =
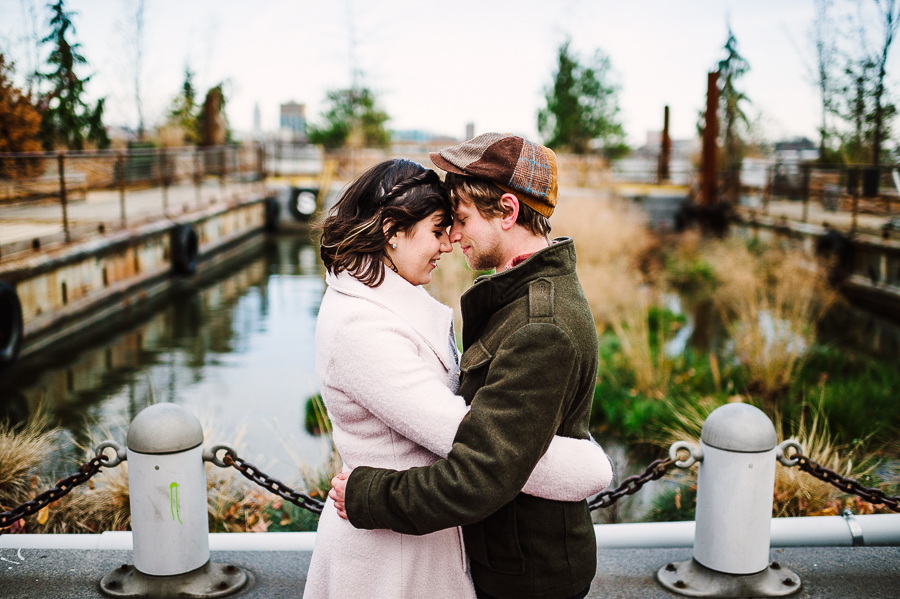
439,65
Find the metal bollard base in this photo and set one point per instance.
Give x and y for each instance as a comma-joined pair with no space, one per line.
692,579
210,580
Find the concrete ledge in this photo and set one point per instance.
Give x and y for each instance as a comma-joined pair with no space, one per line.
826,573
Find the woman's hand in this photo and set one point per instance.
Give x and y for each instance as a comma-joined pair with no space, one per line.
337,492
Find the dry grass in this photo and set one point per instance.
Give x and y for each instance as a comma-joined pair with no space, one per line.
796,492
799,494
23,450
772,303
618,273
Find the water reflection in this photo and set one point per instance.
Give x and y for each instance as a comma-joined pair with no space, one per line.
236,349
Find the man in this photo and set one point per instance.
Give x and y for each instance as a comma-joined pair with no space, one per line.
528,371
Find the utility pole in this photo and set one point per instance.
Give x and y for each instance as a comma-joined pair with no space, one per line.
665,151
710,145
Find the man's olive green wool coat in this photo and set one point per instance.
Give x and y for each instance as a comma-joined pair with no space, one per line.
528,371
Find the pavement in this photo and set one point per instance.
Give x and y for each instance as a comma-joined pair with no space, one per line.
831,572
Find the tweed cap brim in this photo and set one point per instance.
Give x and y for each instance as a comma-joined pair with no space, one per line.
516,165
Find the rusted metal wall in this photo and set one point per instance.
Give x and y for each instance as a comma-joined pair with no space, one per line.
62,287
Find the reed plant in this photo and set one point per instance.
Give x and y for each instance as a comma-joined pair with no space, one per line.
796,493
23,450
771,301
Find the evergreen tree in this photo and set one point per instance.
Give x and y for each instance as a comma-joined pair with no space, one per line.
67,120
19,124
732,115
352,116
582,108
184,112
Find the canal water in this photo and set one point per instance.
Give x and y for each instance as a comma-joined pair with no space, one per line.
236,350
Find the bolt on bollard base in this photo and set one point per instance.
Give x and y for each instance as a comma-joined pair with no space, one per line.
209,580
692,579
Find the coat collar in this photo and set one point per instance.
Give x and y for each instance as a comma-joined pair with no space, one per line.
431,319
489,293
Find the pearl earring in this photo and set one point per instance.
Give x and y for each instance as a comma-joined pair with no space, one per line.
393,246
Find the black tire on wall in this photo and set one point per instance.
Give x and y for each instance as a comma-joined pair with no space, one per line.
302,203
184,249
838,250
12,328
273,213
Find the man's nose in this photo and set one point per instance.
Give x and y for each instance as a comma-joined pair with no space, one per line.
455,234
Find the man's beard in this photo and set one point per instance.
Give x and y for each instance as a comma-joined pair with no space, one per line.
488,259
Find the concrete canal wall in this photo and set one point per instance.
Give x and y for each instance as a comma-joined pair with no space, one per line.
867,266
66,290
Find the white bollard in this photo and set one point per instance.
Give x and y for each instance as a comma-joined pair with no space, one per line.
167,485
169,518
735,487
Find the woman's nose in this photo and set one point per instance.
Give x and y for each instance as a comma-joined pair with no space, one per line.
446,246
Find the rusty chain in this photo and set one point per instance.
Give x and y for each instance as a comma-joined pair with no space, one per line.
62,488
272,485
847,485
632,484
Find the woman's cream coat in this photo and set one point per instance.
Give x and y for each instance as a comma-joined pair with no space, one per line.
388,368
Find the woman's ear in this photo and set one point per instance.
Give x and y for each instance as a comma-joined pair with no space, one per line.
387,227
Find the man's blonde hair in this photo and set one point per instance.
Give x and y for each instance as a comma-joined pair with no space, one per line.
486,198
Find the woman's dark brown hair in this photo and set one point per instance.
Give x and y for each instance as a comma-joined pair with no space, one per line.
399,192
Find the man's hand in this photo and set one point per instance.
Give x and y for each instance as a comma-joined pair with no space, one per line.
338,491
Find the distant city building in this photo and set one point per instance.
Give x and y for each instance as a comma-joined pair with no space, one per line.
470,130
799,149
418,136
257,121
293,119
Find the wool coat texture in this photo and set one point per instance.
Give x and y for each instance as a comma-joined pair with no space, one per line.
388,370
529,371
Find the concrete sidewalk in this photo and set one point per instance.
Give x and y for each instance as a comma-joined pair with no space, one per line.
832,572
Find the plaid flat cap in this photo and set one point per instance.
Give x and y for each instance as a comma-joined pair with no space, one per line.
514,164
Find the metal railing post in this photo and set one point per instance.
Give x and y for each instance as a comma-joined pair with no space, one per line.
169,520
223,169
806,182
121,164
735,487
61,162
198,176
164,180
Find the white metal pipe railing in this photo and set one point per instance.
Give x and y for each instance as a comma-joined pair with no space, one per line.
825,531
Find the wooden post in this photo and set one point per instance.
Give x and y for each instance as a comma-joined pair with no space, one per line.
121,161
855,211
665,151
710,143
61,161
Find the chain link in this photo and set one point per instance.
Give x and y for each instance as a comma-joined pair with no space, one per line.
632,484
847,485
62,488
272,485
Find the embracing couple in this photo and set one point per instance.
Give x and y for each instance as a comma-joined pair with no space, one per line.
463,477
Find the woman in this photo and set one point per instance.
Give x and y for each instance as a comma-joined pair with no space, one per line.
388,368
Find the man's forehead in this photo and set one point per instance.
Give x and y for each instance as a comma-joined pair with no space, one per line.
464,206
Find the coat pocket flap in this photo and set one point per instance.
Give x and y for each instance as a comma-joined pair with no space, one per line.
477,355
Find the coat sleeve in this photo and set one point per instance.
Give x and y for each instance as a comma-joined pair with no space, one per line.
512,421
381,369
